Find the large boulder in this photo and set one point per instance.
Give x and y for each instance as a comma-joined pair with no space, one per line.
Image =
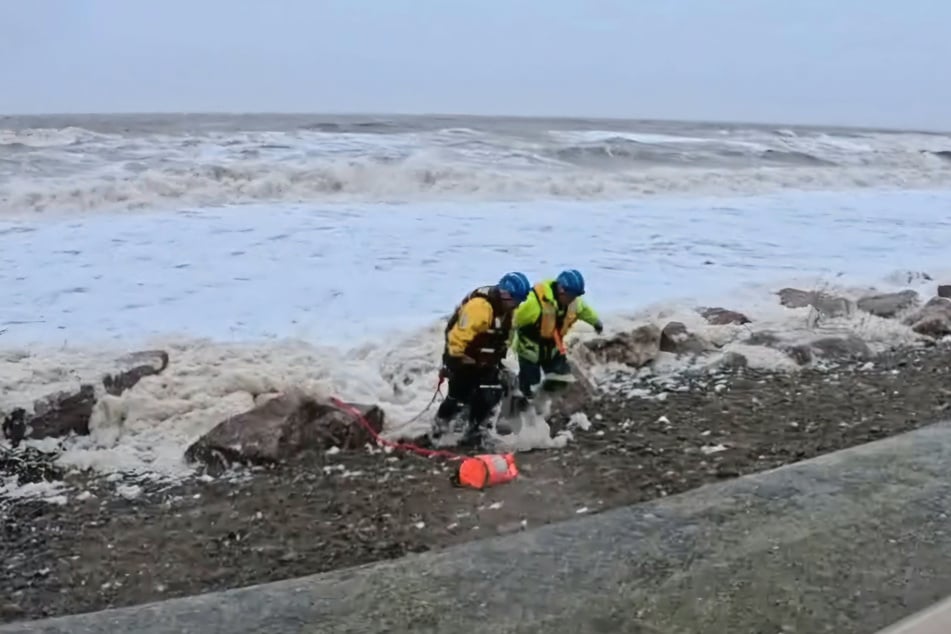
729,362
63,413
801,353
575,396
721,316
55,415
888,305
934,318
840,348
284,427
636,348
826,305
675,338
795,298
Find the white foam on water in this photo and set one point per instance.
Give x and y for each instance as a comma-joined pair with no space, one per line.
254,312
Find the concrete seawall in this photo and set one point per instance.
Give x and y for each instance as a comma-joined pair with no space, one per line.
848,543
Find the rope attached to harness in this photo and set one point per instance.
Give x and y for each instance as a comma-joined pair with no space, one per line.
477,472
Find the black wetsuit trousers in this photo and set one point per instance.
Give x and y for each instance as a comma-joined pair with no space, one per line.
479,387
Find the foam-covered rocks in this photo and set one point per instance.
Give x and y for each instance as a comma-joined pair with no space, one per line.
675,338
825,304
888,305
718,316
68,412
635,348
934,318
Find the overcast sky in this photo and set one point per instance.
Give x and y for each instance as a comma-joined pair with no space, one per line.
860,62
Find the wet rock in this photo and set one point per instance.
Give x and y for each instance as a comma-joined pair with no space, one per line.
762,338
830,306
29,465
64,413
636,348
13,426
677,339
944,291
888,305
845,348
730,361
9,611
55,415
721,316
284,427
574,396
934,318
800,353
144,363
795,298
826,305
832,348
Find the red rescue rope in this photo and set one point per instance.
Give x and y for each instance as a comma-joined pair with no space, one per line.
402,446
463,477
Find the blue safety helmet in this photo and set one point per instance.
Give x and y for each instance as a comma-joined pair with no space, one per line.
571,281
516,285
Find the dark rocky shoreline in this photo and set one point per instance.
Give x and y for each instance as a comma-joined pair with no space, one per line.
324,511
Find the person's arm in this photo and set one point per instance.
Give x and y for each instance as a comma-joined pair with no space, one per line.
588,315
474,317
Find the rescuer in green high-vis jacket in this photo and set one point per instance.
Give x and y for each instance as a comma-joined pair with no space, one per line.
541,323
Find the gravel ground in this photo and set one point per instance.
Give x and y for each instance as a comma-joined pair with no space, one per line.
333,511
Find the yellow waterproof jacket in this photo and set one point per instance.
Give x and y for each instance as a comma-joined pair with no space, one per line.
541,324
479,328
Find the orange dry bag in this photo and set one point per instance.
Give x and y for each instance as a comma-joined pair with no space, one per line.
486,470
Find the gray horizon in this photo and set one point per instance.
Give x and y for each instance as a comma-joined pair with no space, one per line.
488,118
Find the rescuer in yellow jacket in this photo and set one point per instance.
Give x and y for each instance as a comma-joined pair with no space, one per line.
541,323
478,337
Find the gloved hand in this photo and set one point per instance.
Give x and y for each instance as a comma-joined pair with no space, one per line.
449,367
598,327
